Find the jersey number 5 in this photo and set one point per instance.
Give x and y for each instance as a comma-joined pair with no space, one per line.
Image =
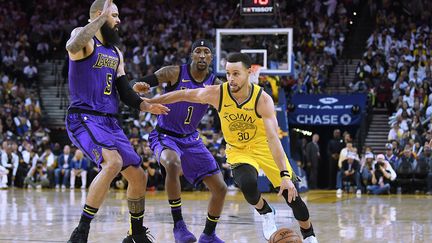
189,115
108,87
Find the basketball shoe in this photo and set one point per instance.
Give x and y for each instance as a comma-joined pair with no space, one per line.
310,239
210,238
182,234
269,224
79,235
144,237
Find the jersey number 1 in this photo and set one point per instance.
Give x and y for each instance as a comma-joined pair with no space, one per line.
108,87
189,115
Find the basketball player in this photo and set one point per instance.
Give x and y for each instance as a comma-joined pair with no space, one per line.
177,144
250,128
96,74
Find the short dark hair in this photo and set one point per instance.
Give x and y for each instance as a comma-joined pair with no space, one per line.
240,57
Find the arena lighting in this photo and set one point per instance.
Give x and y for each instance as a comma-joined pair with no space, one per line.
351,22
304,132
355,13
355,109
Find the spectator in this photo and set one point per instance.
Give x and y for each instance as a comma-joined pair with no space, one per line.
9,160
350,172
79,166
426,157
63,169
382,175
37,176
334,147
390,156
312,161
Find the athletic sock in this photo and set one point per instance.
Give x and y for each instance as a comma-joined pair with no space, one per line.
211,223
176,210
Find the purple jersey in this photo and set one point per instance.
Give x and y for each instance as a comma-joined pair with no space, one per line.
185,117
92,80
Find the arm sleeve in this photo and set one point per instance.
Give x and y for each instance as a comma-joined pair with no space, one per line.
127,95
149,79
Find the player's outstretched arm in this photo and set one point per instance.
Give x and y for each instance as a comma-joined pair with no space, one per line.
81,36
265,108
129,97
168,74
207,95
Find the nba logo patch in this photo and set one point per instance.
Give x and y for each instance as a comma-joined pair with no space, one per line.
96,154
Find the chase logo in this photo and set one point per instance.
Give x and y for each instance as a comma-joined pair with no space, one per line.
328,100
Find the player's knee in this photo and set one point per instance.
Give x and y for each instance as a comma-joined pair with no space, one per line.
113,167
299,208
221,190
249,187
171,161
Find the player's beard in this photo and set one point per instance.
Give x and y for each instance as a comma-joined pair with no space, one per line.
201,66
110,35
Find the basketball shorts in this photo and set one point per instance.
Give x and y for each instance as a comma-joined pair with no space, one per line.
260,157
91,133
196,160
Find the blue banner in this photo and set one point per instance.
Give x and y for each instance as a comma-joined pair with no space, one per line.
319,110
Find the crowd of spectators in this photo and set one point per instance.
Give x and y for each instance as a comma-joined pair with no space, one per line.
397,67
320,29
22,133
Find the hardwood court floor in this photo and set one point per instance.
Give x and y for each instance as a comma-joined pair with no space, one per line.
50,216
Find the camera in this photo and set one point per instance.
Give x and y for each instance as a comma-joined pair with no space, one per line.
378,164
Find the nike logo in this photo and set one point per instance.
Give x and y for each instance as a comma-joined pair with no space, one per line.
185,80
98,45
227,105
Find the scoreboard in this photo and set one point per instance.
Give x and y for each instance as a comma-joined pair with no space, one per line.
257,7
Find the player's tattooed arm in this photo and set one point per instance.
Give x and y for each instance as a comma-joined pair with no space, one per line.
80,37
168,74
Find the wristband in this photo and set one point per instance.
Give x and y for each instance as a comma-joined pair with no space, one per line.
285,173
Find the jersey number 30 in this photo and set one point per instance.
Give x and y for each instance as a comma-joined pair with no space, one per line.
108,88
189,115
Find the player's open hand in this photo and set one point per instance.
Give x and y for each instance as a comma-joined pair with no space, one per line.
287,184
157,109
107,9
141,87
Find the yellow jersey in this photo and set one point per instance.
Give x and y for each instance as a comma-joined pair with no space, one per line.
245,134
241,124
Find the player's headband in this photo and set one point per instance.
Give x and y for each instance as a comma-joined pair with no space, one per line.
202,43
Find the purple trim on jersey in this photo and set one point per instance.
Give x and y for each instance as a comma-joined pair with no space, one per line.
92,80
185,117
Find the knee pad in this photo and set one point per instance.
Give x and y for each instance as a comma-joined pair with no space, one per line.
245,177
249,187
299,208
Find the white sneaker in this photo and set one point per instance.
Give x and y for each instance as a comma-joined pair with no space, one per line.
310,239
358,193
269,224
57,186
63,187
339,192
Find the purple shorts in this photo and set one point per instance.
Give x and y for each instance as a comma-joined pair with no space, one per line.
91,133
196,161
